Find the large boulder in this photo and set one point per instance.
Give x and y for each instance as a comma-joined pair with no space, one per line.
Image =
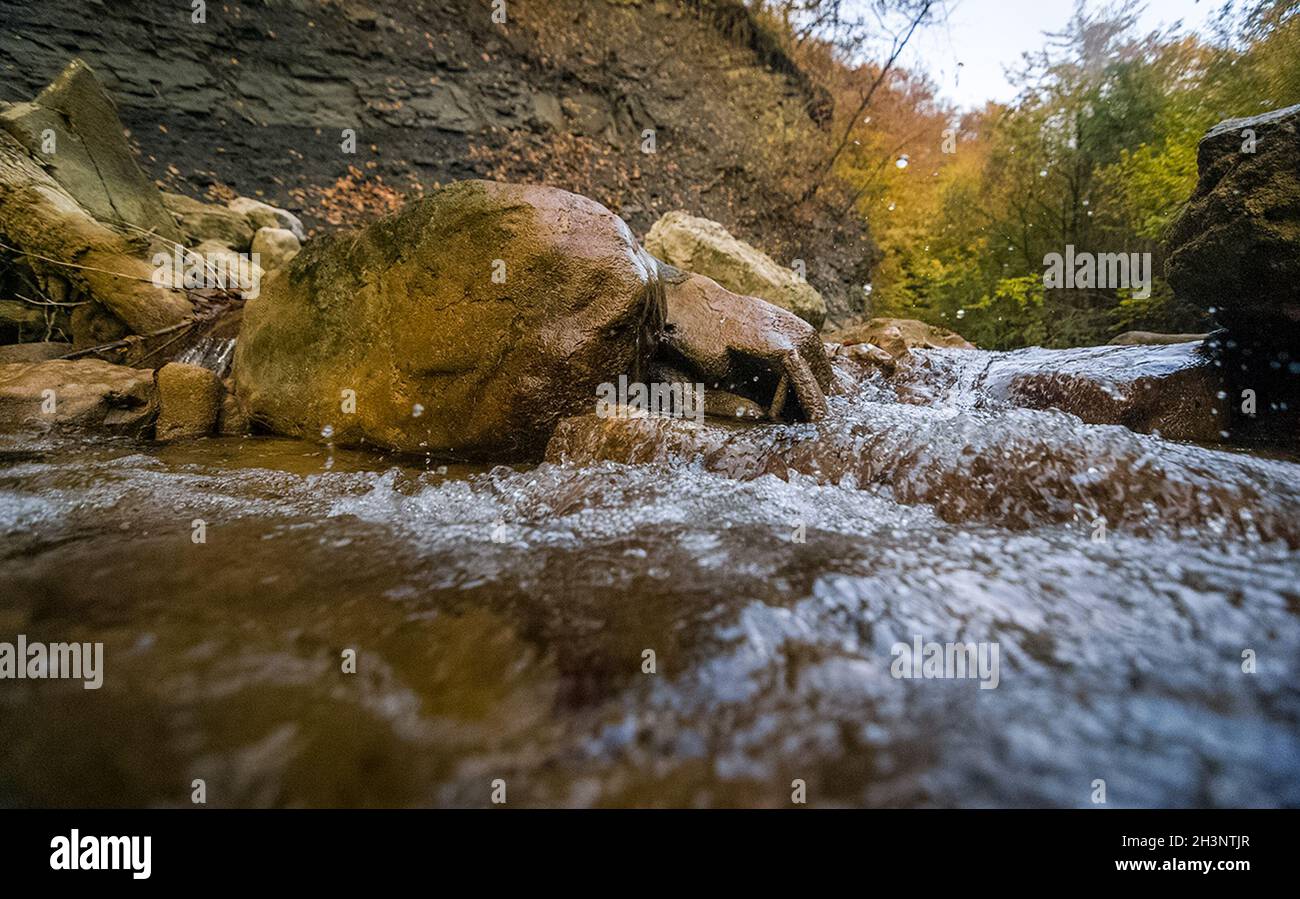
73,129
706,248
85,394
471,322
1235,250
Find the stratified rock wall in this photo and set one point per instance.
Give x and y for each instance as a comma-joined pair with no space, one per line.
256,99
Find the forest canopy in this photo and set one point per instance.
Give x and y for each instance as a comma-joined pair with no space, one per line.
1097,152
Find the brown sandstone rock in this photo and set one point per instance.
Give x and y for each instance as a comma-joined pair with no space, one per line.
274,247
706,248
42,351
73,129
897,335
232,421
471,322
203,222
50,228
743,345
189,399
83,394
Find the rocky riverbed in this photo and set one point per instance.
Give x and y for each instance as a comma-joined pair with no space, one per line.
365,527
501,618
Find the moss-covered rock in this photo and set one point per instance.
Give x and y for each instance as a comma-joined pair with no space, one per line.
470,323
1235,250
189,401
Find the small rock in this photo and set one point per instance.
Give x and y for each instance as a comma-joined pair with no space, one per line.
264,215
189,401
274,247
1154,338
201,222
230,269
870,354
93,325
898,335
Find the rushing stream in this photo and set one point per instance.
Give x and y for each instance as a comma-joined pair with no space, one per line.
501,618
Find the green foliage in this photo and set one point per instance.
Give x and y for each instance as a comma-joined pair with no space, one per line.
1011,316
1098,152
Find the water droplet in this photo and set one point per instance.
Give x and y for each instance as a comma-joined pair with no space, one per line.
417,410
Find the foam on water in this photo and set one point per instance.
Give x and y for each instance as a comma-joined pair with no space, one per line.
501,616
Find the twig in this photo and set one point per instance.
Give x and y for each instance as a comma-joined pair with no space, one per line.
48,302
129,341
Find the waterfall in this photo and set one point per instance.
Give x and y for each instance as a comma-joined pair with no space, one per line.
215,353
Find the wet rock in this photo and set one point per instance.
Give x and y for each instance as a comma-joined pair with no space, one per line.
1153,338
73,129
275,247
706,248
232,420
1174,390
1017,468
49,227
470,322
870,354
82,394
207,222
264,215
224,267
1235,250
189,400
898,335
744,346
717,402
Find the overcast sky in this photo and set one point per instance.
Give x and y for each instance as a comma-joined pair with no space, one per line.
988,35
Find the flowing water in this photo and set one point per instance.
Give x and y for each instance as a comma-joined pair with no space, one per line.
501,619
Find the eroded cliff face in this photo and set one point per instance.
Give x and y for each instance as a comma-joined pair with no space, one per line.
255,100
